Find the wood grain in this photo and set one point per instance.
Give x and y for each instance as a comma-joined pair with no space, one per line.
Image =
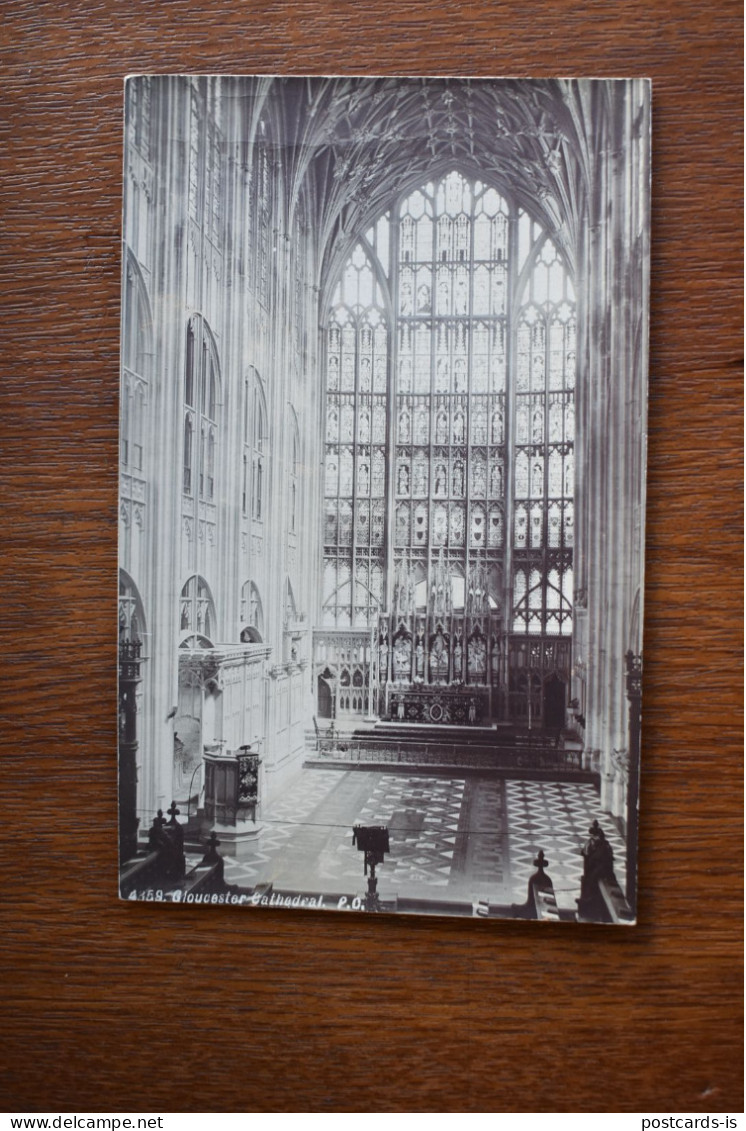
128,1007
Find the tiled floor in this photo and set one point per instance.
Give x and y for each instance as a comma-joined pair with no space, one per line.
556,817
451,838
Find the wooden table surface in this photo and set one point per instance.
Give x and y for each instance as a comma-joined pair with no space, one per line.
124,1007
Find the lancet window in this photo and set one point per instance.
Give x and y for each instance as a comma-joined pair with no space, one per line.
258,450
205,156
200,411
260,214
356,422
131,614
293,483
197,622
136,359
543,451
246,453
251,614
450,379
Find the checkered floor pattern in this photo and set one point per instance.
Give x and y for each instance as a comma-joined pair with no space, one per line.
556,817
423,819
451,838
291,826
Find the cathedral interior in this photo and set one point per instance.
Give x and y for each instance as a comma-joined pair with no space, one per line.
382,475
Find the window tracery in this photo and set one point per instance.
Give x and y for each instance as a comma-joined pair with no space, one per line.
197,622
356,416
204,190
136,358
257,452
482,343
200,411
131,613
251,614
293,479
139,115
544,445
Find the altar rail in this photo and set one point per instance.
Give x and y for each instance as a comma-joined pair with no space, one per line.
371,752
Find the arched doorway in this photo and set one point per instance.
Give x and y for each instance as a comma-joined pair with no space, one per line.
554,704
325,704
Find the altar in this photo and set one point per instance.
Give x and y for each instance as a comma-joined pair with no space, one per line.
463,706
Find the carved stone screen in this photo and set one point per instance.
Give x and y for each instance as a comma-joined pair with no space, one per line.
450,377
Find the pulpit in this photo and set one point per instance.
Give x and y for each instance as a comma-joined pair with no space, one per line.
232,794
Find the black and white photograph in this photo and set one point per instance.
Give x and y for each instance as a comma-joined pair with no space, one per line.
384,369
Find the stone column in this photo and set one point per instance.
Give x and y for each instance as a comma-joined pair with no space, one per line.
614,309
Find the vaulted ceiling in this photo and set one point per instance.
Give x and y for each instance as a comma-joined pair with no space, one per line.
354,144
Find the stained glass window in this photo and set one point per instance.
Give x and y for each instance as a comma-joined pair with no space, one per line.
450,377
355,478
473,437
258,447
544,441
139,115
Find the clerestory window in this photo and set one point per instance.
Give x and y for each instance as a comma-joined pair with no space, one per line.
136,363
200,411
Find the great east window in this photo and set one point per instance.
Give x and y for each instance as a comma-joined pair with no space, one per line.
449,456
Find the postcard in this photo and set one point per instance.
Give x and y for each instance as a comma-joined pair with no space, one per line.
384,351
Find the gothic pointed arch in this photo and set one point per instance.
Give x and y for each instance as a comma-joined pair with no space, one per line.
132,621
137,354
291,609
251,615
471,369
265,201
201,423
294,463
255,446
197,616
